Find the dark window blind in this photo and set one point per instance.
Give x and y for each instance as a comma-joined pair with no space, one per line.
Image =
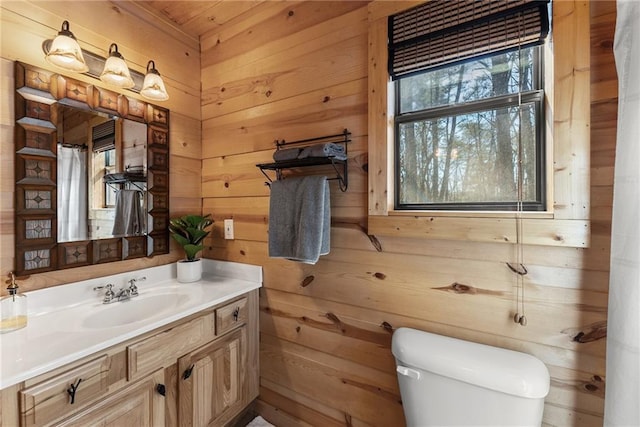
442,32
104,136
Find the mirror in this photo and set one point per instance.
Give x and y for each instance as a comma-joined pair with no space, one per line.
92,174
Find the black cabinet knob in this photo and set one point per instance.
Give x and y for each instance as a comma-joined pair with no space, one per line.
161,389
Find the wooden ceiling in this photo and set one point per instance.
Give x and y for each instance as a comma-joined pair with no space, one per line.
196,18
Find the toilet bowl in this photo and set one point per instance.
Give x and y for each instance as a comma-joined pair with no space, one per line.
450,382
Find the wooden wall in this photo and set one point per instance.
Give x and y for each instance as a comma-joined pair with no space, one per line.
288,70
298,70
25,25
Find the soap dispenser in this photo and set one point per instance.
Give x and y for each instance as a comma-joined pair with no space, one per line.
13,308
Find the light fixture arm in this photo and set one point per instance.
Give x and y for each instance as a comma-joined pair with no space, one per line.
151,67
113,51
64,30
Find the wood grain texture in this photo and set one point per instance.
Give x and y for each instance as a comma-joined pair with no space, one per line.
25,25
326,328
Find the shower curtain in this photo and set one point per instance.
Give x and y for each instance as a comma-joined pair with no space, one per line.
72,194
622,398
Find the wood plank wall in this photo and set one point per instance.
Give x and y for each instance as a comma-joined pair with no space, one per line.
25,25
288,70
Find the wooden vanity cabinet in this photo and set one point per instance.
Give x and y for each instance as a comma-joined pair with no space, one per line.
199,371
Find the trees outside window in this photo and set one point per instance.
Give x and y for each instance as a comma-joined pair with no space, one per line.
470,136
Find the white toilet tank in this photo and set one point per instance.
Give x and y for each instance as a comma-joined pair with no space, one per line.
450,382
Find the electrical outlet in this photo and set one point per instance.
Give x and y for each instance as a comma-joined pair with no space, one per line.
228,229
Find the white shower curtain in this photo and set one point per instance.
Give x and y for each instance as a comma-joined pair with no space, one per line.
72,194
622,401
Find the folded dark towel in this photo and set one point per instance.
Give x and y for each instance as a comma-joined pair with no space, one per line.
286,154
324,150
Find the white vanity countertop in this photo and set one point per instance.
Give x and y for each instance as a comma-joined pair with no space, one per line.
69,322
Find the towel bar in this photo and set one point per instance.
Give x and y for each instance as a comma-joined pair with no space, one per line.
341,176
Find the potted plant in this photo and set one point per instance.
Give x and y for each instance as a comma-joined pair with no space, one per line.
189,231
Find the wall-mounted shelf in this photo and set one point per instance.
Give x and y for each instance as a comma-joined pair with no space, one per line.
339,165
115,180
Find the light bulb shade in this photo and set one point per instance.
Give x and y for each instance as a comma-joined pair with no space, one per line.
115,71
65,52
153,86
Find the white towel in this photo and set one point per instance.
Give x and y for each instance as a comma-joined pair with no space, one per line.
300,218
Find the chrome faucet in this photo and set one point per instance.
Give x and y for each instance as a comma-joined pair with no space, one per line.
133,288
123,294
109,295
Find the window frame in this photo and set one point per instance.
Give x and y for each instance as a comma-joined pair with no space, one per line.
565,222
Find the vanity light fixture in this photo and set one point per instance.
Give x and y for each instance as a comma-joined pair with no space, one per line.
115,70
153,86
65,52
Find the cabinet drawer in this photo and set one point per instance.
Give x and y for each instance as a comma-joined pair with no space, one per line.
161,350
51,399
231,315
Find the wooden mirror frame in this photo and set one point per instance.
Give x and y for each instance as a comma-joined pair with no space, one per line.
39,94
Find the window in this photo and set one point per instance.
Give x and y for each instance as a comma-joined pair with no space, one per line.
565,221
104,162
109,192
469,136
469,104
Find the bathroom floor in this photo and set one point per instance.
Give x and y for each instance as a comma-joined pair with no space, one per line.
259,422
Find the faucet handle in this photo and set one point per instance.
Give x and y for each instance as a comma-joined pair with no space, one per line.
109,294
133,289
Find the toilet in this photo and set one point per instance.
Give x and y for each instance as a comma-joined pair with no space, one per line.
450,382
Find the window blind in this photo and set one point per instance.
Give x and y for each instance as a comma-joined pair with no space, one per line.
442,32
104,136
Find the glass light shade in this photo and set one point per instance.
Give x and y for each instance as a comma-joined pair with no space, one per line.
153,86
65,52
115,71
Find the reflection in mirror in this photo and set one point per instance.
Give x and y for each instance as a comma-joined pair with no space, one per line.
92,174
101,176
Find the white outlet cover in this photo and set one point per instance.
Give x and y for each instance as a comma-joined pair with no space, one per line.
228,229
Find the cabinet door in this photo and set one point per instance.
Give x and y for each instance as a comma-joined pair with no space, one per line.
212,385
137,405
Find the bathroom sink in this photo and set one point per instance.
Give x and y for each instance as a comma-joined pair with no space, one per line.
136,309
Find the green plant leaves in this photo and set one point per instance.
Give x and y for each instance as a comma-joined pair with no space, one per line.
189,231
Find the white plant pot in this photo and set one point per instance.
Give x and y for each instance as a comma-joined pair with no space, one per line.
189,271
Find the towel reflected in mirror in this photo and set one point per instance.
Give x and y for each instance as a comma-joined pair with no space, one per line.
129,213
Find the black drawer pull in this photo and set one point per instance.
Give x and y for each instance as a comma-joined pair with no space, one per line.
236,314
187,373
72,390
161,389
